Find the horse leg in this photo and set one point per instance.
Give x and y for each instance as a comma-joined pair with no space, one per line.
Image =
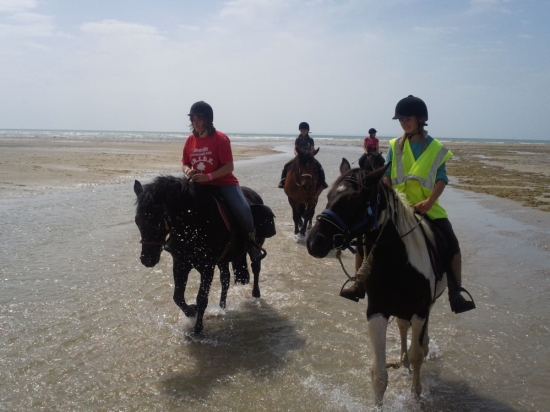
403,326
207,274
256,268
181,271
377,326
240,270
224,280
416,351
308,216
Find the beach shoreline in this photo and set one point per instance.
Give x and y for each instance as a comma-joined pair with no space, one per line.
516,171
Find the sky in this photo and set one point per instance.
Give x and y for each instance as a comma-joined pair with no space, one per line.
481,66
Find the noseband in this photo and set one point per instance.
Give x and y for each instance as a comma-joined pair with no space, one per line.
343,239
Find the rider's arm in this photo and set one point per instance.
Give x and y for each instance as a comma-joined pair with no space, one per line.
427,204
221,172
377,147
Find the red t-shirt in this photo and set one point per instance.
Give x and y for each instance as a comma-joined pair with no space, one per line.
370,144
208,154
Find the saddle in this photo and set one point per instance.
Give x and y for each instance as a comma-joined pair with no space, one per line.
262,215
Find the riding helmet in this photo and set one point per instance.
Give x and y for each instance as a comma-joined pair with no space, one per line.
411,106
202,109
372,130
303,125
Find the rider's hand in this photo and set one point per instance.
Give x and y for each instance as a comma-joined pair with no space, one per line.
424,206
199,177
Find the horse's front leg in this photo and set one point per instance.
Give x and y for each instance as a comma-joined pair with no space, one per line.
377,326
256,268
207,274
403,326
181,271
416,351
224,280
308,216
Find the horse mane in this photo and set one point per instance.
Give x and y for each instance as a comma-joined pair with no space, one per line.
163,188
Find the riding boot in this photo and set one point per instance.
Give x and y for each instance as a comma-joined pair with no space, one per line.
255,251
454,283
321,174
358,289
282,181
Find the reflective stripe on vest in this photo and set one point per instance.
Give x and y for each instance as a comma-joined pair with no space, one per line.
417,178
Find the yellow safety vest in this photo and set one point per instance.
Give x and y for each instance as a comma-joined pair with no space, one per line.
416,178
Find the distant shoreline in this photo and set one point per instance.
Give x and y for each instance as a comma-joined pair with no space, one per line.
172,136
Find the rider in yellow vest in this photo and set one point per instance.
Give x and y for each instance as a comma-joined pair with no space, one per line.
418,171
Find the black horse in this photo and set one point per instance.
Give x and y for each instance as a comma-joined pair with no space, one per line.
406,269
199,236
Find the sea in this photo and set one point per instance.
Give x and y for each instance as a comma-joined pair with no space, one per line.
85,327
258,137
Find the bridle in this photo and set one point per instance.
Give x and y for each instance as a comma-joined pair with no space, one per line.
343,239
302,176
346,233
162,242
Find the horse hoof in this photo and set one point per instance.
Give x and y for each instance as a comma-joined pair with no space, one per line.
256,294
190,311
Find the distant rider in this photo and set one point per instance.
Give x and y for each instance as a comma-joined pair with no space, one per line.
304,143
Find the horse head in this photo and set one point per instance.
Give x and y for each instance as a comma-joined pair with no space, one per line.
305,162
371,161
150,222
353,207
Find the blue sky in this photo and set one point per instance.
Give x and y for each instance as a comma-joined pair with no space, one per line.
481,66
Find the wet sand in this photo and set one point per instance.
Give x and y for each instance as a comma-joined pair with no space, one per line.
519,172
31,166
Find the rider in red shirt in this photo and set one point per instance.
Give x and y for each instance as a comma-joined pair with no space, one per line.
208,159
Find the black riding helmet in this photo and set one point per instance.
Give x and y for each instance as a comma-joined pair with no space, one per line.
303,125
372,130
411,106
202,109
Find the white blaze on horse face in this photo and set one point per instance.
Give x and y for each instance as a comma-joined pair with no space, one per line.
341,188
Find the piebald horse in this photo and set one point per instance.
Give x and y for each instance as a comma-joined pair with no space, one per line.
406,275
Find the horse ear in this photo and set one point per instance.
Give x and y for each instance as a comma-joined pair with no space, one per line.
378,174
344,166
316,151
138,189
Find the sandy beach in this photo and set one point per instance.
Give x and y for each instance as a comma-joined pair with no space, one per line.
29,166
520,172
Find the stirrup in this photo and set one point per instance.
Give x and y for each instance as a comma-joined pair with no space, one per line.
352,298
457,311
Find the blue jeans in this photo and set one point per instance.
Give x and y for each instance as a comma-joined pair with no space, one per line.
233,195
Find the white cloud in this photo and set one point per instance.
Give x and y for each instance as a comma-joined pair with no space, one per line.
28,25
15,6
119,28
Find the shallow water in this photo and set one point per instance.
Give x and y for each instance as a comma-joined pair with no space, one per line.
84,326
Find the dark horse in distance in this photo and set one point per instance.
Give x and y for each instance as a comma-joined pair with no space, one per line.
199,235
302,189
406,273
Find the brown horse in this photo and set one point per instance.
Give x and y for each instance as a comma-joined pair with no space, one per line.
302,189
